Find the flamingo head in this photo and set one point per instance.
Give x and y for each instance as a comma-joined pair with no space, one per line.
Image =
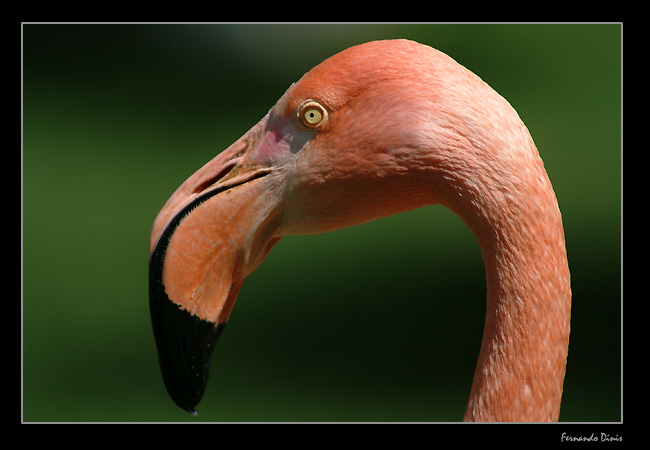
350,142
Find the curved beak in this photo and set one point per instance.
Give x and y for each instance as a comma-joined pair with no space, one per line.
211,234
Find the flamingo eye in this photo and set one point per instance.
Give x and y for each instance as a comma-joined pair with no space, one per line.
312,114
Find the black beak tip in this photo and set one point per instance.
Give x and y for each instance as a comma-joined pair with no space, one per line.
185,344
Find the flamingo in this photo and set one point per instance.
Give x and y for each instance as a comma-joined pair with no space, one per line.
375,130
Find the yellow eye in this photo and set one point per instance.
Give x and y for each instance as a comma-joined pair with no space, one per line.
312,114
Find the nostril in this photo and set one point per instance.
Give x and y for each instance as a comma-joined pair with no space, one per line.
212,180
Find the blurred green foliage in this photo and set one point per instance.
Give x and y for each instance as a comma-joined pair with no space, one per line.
381,322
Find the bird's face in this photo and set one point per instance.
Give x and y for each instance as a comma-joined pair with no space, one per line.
339,148
323,158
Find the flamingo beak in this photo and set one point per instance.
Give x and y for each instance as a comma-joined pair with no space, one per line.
214,231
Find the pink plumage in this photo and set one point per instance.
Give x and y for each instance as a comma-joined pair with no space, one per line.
392,126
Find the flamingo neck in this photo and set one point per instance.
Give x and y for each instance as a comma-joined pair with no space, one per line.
522,360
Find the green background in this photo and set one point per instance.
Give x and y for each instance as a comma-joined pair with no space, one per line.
380,322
